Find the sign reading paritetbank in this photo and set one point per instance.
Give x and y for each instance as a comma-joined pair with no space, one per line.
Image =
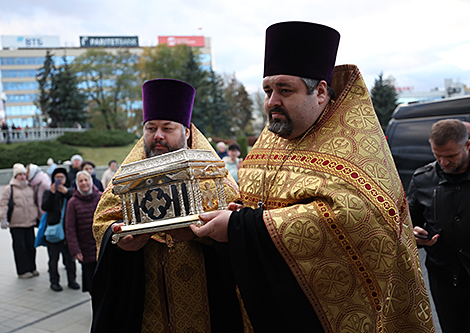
119,41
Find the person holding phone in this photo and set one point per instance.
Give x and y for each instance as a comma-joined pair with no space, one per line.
54,202
438,198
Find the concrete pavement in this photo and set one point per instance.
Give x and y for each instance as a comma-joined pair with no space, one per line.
30,306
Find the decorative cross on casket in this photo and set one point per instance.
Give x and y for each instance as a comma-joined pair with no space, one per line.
169,191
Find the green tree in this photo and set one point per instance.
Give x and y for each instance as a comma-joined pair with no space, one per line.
67,104
59,98
384,99
259,114
220,109
192,73
164,62
243,142
182,63
240,111
44,79
109,81
210,115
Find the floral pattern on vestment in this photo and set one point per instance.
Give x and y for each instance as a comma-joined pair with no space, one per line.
183,287
338,214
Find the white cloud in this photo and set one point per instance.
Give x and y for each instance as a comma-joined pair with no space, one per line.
419,42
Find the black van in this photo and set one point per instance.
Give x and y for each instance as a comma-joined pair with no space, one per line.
408,131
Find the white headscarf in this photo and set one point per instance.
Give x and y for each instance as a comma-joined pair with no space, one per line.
89,178
33,171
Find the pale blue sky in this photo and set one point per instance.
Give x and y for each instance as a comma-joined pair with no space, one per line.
419,42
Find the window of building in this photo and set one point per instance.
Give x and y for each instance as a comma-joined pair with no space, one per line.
22,60
22,110
19,73
59,61
205,57
7,61
14,86
21,98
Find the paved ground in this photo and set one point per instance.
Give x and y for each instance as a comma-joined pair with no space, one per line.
30,306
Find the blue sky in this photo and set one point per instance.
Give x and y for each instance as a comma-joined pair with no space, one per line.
421,43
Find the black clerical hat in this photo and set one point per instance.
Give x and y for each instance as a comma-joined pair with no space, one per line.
168,99
301,49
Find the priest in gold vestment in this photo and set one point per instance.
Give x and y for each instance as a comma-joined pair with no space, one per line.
321,239
140,285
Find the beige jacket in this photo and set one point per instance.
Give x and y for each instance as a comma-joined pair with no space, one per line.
25,211
107,177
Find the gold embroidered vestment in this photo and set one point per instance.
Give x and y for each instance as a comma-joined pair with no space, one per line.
338,215
176,287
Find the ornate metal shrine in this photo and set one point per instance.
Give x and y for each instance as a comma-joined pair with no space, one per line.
169,191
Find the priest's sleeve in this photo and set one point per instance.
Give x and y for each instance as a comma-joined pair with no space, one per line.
271,295
118,289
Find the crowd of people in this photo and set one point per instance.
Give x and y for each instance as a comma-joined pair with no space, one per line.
60,203
14,131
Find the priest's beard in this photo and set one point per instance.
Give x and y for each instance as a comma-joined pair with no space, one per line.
151,151
283,128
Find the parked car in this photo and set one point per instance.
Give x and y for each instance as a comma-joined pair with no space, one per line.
408,131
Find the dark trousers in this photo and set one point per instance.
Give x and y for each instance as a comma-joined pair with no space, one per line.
452,300
23,249
54,249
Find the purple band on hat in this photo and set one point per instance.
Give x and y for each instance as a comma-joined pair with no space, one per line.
302,49
168,99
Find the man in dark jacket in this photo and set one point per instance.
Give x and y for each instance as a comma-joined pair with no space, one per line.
438,199
54,202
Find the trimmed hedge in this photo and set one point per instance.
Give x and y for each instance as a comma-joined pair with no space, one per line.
97,138
34,152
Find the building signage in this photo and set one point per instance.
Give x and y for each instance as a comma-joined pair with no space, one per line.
119,41
403,89
194,41
30,41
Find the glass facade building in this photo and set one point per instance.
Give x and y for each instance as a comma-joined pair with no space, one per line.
18,74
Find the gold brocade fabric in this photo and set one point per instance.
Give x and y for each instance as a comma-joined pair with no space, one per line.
176,289
338,215
177,302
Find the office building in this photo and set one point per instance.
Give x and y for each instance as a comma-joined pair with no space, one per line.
22,56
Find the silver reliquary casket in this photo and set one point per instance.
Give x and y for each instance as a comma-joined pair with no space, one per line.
169,191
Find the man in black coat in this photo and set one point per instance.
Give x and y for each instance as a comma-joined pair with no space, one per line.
438,199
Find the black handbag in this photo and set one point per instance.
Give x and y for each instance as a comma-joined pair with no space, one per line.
11,205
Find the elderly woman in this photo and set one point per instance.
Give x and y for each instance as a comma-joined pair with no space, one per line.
89,167
21,222
78,226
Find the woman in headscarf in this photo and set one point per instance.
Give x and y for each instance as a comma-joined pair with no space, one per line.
40,182
78,224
